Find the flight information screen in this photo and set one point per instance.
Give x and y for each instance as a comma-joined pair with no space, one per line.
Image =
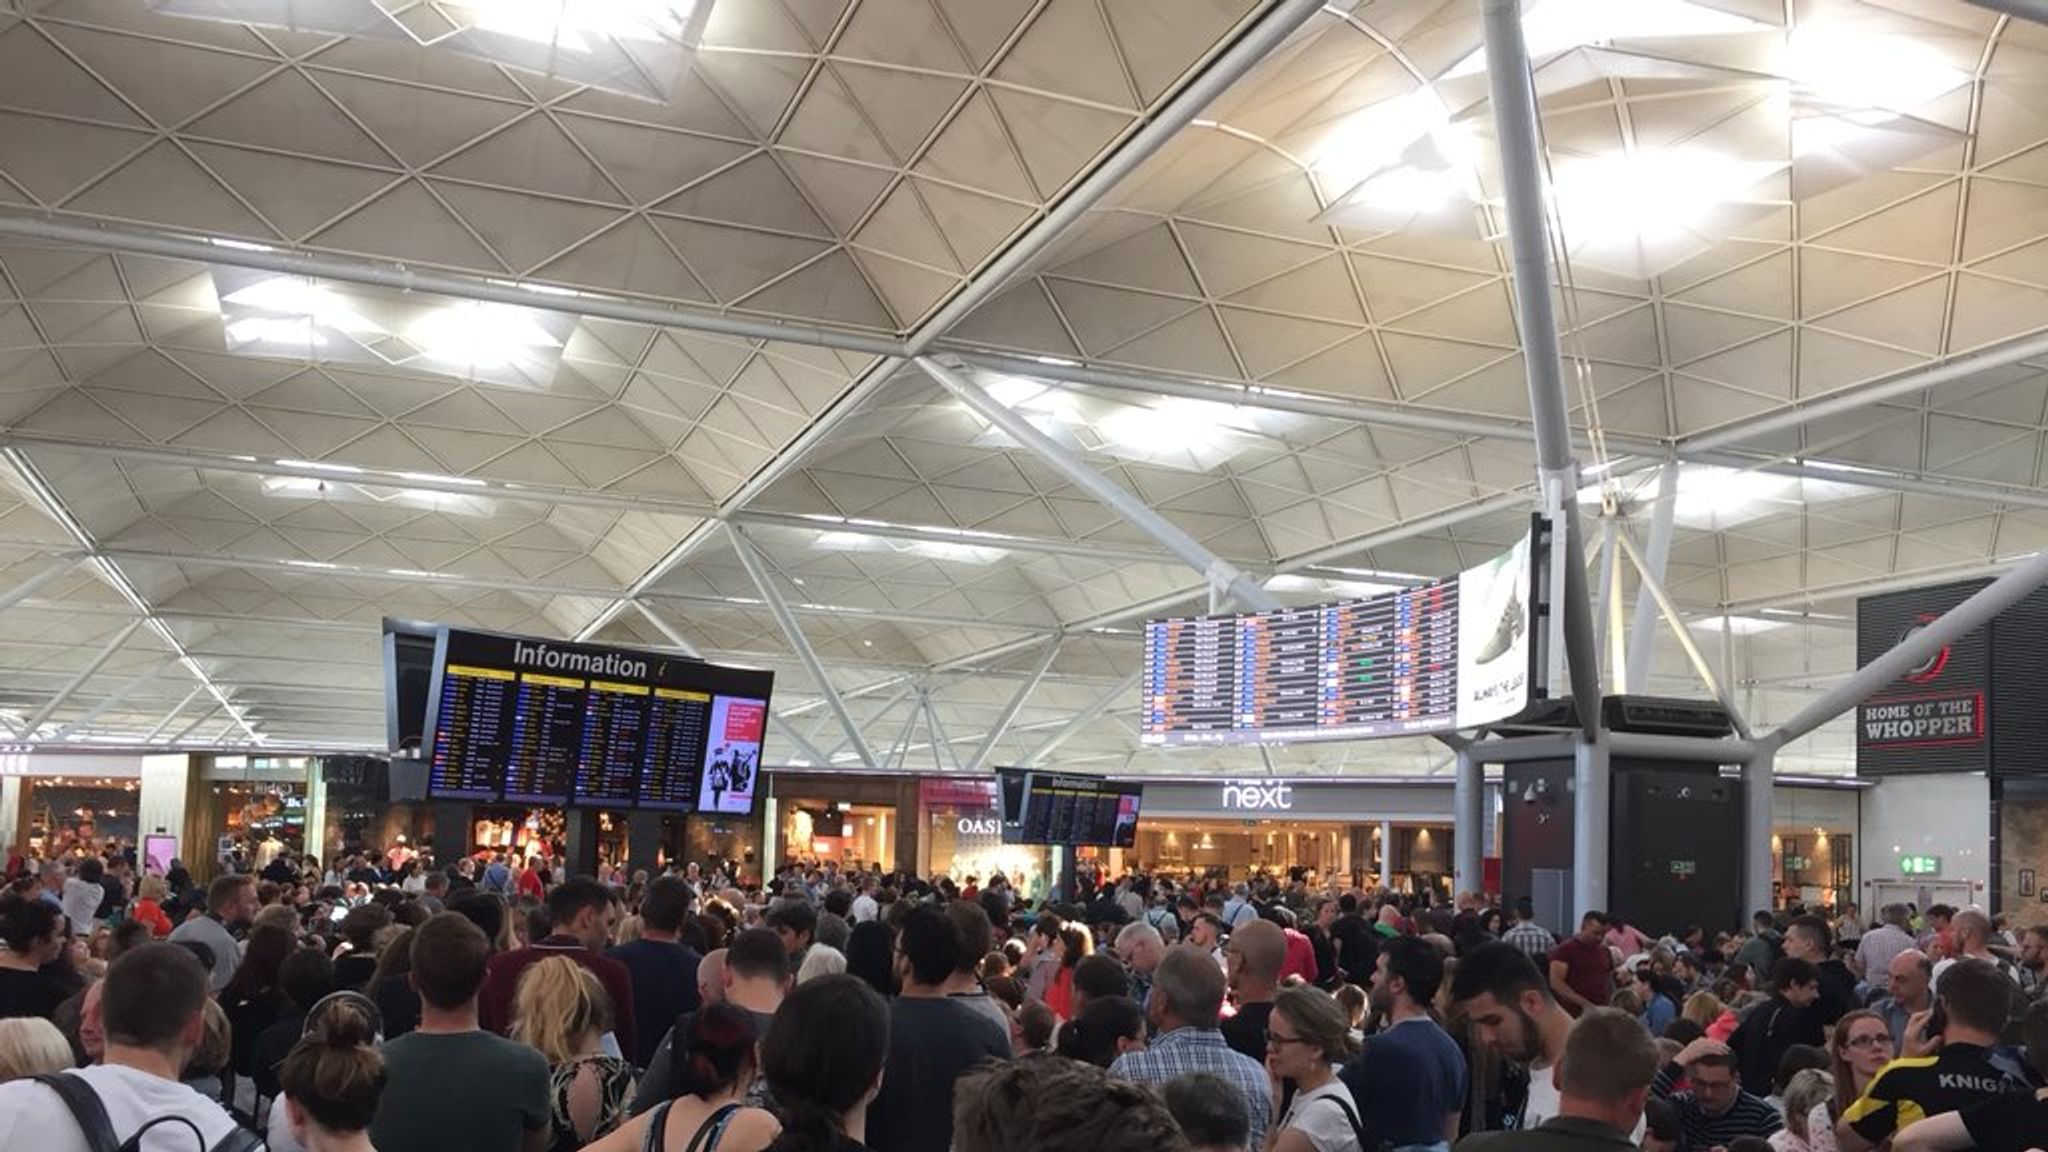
1079,810
1453,654
533,721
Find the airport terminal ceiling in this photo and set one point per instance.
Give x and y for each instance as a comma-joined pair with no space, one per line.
660,358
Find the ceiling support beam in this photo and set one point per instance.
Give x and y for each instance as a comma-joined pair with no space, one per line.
1517,131
1081,720
171,716
90,670
40,580
1718,687
688,649
53,507
1408,530
116,696
1058,370
407,279
1919,646
1008,716
1643,633
1856,396
1228,67
344,473
764,582
1100,551
1223,576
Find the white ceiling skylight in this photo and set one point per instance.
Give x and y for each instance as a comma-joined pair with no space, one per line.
633,47
1170,431
263,314
1642,213
843,540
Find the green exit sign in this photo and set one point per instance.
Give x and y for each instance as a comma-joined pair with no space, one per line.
1920,865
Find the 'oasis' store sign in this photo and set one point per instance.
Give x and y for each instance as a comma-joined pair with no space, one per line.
1252,796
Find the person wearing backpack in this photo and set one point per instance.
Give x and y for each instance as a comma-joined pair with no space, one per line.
152,1011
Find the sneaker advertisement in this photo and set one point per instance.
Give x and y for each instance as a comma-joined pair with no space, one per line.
1493,638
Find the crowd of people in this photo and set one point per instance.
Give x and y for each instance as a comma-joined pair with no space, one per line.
394,1004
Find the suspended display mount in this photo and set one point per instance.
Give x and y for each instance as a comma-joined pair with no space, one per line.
1462,652
534,721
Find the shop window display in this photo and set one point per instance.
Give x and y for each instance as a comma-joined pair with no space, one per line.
66,816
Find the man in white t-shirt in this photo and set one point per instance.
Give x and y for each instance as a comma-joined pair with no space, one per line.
865,907
1498,988
152,1010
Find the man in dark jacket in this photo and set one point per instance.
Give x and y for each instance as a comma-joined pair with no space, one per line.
1808,938
1777,1024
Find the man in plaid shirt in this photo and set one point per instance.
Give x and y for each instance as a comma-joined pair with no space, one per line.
1528,935
1187,999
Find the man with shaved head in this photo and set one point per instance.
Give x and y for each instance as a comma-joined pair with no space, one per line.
1970,939
1252,960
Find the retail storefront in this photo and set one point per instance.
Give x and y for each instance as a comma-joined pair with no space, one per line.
844,818
963,836
249,810
56,804
1813,845
1365,833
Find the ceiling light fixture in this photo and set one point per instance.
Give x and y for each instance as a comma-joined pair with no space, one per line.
1860,69
479,334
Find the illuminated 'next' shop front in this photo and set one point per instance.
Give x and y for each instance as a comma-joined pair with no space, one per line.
1365,833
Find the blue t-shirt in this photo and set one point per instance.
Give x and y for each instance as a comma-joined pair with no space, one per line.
1406,1081
664,987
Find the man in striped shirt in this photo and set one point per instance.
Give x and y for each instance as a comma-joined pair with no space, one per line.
1532,938
1187,997
1714,1109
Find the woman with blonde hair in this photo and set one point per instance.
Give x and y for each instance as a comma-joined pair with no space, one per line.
1806,1102
1307,1039
150,894
31,1046
561,1011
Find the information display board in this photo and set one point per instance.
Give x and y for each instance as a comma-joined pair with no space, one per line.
1079,810
1457,653
532,721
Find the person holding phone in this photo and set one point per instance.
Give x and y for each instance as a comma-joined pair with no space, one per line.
1948,1064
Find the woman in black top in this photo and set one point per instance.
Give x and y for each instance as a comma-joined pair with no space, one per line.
823,1058
255,996
33,931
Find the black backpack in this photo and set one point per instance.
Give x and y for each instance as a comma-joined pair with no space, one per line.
99,1129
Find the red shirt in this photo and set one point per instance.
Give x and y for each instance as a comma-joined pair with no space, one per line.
501,980
1588,969
1301,957
530,885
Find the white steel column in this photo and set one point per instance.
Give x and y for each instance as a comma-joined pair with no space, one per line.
1758,784
49,708
764,583
1643,635
1468,826
1590,816
1386,853
1086,717
1655,596
688,649
1016,705
10,810
38,582
1118,499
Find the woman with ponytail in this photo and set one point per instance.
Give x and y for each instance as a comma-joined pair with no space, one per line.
333,1077
823,1058
717,1064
